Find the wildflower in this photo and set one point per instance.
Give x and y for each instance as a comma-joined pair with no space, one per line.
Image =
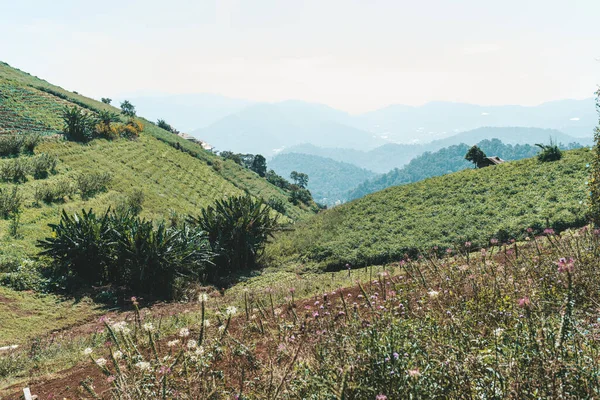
396,355
206,323
433,294
101,362
184,332
121,327
498,332
148,327
467,244
87,351
292,290
414,373
164,370
315,314
111,379
202,297
173,343
381,397
134,300
549,231
117,355
565,265
524,302
529,230
221,328
143,365
192,344
231,311
277,311
199,351
494,241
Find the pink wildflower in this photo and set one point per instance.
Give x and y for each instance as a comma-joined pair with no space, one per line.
565,265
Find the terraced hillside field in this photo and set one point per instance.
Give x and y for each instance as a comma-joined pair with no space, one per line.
498,202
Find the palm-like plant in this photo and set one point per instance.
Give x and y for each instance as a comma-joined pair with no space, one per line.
238,229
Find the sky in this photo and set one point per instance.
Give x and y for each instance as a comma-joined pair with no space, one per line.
355,55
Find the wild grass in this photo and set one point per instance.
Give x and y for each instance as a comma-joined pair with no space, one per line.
511,321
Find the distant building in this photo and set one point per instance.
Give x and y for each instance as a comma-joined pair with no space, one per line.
488,161
204,145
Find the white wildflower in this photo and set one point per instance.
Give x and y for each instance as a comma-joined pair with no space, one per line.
231,311
173,343
199,351
221,328
192,344
498,332
101,362
87,351
206,323
117,355
433,294
202,297
184,332
143,365
148,327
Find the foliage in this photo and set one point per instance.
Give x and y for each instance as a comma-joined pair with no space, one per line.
430,328
53,192
90,183
299,178
79,126
13,145
549,152
330,180
277,204
162,124
106,100
127,109
124,250
475,155
10,201
594,199
444,161
471,205
259,165
277,180
299,195
14,170
238,228
42,165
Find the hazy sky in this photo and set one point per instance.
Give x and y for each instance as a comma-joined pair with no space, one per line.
355,55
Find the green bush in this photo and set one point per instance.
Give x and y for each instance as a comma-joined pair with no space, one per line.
53,192
42,165
277,204
88,184
10,202
13,145
124,250
14,170
79,126
238,229
25,276
549,152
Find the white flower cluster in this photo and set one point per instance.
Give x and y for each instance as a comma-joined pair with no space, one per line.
121,327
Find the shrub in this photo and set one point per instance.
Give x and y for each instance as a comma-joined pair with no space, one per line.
130,130
277,204
127,109
25,276
549,152
10,201
80,245
299,195
88,184
30,142
238,229
132,203
53,192
14,170
10,145
124,250
277,180
78,125
42,165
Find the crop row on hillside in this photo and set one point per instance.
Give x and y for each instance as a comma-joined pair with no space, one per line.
473,205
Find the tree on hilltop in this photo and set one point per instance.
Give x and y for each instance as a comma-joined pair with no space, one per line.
475,155
128,109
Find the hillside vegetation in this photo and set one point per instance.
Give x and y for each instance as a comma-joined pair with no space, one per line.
444,161
472,205
329,180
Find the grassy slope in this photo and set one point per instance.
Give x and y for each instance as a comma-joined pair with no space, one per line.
473,205
172,180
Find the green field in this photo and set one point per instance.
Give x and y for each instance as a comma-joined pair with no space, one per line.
472,205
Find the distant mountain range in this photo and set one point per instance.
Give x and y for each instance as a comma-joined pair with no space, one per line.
389,156
268,128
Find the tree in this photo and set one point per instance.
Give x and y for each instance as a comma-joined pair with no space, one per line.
277,180
106,100
128,109
475,155
259,165
229,155
238,229
300,179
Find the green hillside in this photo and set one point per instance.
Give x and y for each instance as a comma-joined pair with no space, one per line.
329,180
444,161
175,175
471,205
